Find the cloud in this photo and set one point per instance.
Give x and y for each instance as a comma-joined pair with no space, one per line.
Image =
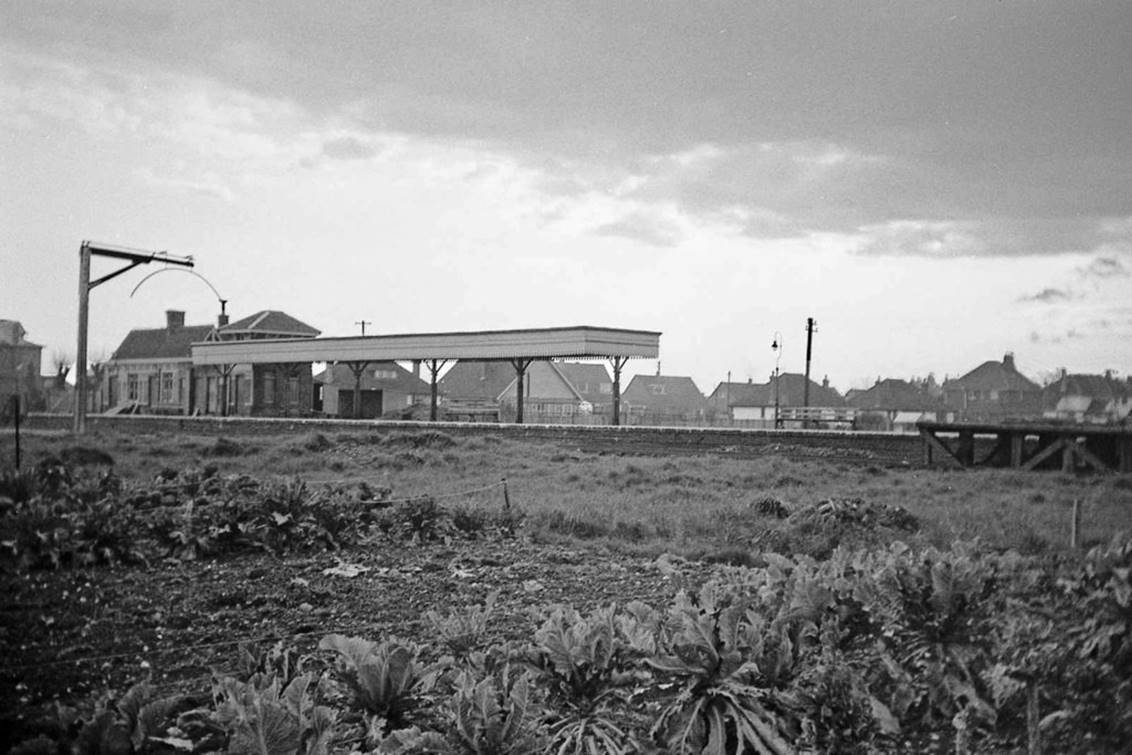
1048,296
921,238
347,148
643,227
1104,268
1072,334
209,185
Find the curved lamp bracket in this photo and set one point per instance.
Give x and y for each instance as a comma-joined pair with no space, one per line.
219,298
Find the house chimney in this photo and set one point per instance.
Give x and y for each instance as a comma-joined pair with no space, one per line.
658,368
174,319
1008,361
222,318
825,382
750,380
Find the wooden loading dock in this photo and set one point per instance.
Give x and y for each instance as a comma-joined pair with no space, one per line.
435,350
1028,445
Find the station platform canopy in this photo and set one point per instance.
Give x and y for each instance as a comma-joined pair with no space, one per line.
519,347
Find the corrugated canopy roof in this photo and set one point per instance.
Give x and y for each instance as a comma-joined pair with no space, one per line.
536,343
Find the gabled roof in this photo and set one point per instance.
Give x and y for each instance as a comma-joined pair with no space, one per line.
341,376
742,394
269,322
663,393
161,343
994,376
791,392
586,380
893,395
1100,388
470,379
477,380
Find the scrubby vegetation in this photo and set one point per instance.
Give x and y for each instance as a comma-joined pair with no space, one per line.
863,620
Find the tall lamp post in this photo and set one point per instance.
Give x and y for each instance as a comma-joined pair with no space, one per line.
134,257
776,347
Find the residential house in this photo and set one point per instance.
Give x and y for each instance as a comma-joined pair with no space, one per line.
152,371
663,400
1100,399
382,388
20,362
894,405
554,392
992,392
593,387
784,399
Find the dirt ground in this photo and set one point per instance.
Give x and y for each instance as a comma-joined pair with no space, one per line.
70,635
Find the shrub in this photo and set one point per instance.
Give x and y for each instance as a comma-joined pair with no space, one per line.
224,447
430,439
78,456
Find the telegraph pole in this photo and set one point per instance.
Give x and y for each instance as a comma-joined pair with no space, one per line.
363,323
135,257
811,328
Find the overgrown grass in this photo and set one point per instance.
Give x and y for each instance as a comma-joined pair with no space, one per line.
691,505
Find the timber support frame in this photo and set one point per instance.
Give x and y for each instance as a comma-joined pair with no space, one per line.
1029,446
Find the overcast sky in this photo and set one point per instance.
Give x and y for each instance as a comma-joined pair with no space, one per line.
935,183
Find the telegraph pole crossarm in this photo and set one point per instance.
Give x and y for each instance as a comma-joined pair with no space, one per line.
135,257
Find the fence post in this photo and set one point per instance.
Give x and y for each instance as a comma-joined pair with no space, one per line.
16,421
1075,525
506,497
1033,723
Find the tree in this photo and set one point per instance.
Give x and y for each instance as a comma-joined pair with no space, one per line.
62,363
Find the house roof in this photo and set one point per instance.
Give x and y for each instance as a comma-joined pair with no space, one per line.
586,380
12,334
663,393
161,343
791,392
469,379
743,394
477,380
341,376
892,394
270,322
1100,388
992,375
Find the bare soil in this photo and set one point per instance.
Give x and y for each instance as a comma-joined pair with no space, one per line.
71,635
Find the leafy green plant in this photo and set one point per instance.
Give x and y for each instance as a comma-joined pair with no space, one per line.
930,611
421,520
462,631
588,670
386,677
18,485
493,715
724,659
262,717
1099,635
140,721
